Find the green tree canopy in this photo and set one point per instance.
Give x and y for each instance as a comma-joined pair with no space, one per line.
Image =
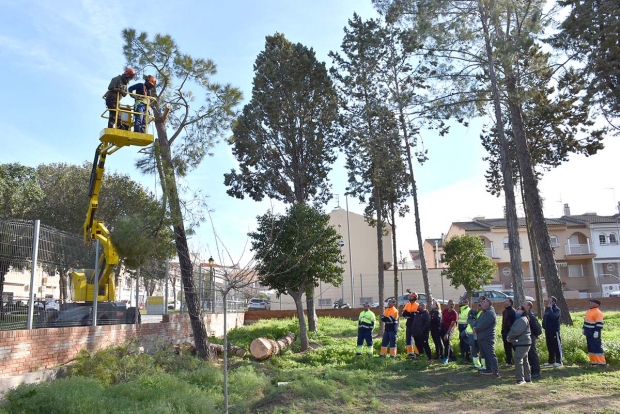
19,190
66,199
468,264
284,139
296,250
591,34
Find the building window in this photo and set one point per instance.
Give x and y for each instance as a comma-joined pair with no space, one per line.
612,238
506,243
366,299
602,239
325,302
554,241
575,270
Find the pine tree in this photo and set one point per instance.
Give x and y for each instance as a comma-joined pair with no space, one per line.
186,130
284,140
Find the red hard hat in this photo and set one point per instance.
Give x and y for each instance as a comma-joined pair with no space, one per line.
151,79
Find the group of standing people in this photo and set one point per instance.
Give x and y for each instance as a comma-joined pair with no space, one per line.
141,92
520,332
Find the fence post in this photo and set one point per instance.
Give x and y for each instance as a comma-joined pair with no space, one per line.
35,253
137,297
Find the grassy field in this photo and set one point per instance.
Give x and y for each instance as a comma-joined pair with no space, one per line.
327,379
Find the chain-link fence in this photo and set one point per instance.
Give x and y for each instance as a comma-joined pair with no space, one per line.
37,289
22,282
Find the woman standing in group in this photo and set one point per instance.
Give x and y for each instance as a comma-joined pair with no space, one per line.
520,338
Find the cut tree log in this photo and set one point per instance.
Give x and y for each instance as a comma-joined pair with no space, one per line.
263,348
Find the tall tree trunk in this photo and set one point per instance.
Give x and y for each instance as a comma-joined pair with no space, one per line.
535,259
303,330
380,274
169,188
311,311
532,199
507,174
393,217
416,209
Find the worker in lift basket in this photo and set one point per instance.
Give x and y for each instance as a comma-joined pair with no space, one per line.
118,86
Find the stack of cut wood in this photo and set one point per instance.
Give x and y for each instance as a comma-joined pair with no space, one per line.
263,348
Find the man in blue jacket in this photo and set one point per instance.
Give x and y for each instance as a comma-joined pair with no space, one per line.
551,325
142,93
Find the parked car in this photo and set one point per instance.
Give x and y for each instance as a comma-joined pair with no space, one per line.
48,304
404,299
492,295
511,294
614,294
259,304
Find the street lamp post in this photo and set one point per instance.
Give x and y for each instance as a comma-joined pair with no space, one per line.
212,284
342,284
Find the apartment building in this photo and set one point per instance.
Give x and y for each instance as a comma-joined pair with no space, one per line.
585,248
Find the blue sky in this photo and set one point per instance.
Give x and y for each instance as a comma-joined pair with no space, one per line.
58,58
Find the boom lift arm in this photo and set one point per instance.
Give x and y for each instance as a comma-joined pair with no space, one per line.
112,140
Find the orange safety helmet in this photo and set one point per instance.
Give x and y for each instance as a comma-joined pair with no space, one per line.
130,72
151,79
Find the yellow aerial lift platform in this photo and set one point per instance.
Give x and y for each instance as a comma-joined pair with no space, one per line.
112,139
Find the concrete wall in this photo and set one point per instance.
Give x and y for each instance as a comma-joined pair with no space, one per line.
25,351
366,286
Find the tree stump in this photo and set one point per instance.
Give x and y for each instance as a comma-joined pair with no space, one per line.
263,348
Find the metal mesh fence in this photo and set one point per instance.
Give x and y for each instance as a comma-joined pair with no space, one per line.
57,252
60,252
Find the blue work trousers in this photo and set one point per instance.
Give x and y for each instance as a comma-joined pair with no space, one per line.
139,121
364,335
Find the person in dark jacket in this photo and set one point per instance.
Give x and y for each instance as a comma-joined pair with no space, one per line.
508,318
436,328
420,329
143,91
535,332
117,90
519,337
484,331
551,325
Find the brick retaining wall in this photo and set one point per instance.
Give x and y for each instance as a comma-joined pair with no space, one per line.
25,351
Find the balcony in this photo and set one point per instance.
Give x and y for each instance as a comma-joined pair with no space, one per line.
576,249
491,252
